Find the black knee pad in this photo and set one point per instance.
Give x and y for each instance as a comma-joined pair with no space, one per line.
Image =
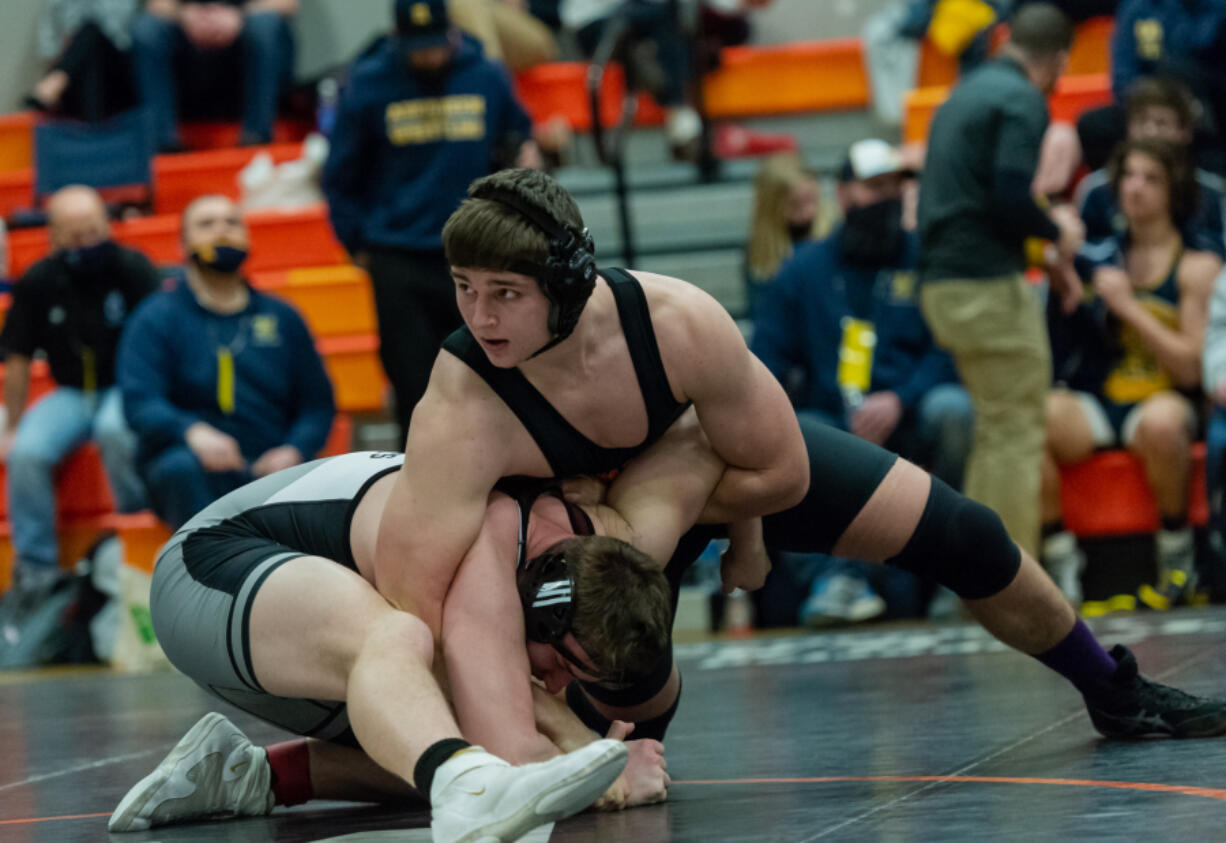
961,544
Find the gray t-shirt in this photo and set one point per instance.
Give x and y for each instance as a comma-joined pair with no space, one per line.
993,122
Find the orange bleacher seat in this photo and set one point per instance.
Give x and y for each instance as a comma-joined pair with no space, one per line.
1091,51
1073,95
178,179
777,79
559,89
334,300
142,535
279,240
340,437
357,375
786,78
16,141
1107,495
16,190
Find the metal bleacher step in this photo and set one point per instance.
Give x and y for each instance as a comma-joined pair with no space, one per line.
693,228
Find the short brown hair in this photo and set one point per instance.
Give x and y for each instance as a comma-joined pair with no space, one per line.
1180,177
623,605
1041,30
486,234
1156,92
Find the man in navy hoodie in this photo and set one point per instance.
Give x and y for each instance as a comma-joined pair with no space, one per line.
423,115
843,319
220,383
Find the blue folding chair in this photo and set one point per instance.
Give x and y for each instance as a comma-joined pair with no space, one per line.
114,157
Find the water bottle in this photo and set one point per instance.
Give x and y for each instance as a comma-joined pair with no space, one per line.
739,614
325,111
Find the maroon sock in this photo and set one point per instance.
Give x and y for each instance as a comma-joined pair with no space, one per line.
291,772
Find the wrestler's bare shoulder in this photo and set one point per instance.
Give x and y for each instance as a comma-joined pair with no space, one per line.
677,304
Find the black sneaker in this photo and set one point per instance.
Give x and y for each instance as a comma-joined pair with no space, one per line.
1131,706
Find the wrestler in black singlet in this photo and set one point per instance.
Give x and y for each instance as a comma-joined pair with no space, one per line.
843,469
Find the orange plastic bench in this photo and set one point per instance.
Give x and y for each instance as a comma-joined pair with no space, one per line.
1107,495
1073,95
334,300
787,78
279,240
178,179
1091,53
357,375
559,89
16,141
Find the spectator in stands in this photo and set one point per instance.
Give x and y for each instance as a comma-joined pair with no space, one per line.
975,212
1214,377
71,306
1181,39
786,212
657,57
208,59
423,116
86,45
1140,388
221,383
1162,109
844,312
507,30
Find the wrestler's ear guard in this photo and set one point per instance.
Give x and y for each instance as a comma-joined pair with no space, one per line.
547,592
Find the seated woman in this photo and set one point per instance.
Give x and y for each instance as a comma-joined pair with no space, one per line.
1137,381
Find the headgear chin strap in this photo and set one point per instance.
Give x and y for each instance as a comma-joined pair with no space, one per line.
568,275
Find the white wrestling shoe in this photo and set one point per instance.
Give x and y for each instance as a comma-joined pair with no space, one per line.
479,798
213,771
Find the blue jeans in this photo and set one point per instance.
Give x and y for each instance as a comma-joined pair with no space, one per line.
179,487
48,432
939,433
175,77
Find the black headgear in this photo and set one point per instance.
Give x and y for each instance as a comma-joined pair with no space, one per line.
568,275
547,592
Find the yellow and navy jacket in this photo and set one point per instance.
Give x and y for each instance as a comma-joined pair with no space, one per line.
806,313
254,375
403,155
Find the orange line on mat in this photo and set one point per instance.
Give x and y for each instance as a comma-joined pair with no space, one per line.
1186,790
28,820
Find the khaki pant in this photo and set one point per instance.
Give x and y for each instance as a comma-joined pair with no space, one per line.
507,33
996,332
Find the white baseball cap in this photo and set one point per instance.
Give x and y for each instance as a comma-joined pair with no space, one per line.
872,157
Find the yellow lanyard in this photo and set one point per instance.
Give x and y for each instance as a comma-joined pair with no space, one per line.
225,380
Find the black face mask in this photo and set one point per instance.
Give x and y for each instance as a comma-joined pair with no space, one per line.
872,234
799,232
91,260
219,258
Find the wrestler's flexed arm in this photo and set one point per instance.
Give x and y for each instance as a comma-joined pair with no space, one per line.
453,458
742,408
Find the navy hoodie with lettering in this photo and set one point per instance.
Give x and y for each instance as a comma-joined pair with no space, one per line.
403,152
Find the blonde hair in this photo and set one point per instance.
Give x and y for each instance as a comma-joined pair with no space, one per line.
769,240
